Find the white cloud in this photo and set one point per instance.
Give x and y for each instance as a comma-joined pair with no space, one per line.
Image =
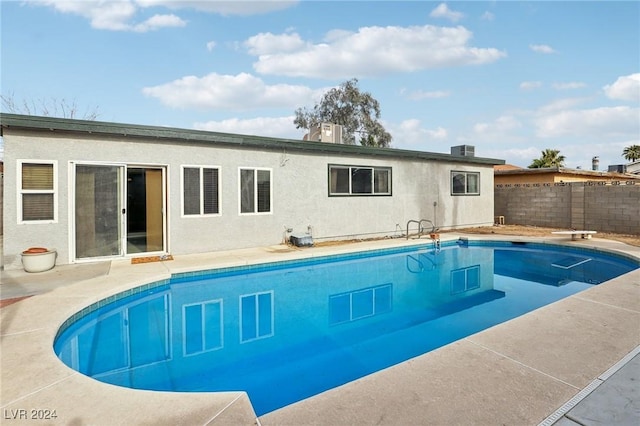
499,128
159,21
225,8
119,15
560,105
281,127
211,45
371,51
230,92
625,88
443,11
113,15
409,134
603,122
419,94
530,85
541,48
267,43
519,156
568,86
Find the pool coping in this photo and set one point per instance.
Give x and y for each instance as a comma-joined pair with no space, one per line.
29,327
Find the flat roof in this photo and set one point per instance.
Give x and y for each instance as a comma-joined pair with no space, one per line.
168,134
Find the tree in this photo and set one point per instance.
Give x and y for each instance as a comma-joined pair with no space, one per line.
631,153
549,158
48,108
357,112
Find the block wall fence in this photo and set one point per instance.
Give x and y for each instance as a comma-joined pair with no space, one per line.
597,206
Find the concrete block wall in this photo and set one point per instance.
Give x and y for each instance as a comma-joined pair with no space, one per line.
605,207
534,204
614,208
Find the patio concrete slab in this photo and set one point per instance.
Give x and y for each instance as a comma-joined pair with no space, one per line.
615,402
626,295
75,402
429,390
29,353
26,316
571,340
16,283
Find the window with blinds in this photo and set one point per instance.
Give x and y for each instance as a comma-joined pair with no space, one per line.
255,191
200,191
37,191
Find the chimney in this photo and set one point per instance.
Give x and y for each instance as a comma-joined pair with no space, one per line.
595,163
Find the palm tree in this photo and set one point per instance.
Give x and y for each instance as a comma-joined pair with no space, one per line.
631,153
549,158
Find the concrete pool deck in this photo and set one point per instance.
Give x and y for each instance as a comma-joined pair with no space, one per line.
538,368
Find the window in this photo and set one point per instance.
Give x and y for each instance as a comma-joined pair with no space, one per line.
359,304
359,180
37,195
465,183
256,316
200,191
255,191
202,327
465,279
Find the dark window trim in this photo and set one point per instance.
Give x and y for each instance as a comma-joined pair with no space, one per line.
465,193
352,194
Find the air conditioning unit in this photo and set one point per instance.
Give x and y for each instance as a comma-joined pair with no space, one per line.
326,132
617,168
463,150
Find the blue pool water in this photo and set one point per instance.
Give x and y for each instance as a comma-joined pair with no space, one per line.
284,332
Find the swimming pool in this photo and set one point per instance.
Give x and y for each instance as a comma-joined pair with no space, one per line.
287,331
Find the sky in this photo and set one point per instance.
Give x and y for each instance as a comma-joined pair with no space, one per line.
511,78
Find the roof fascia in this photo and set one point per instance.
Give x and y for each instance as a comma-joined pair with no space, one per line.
65,125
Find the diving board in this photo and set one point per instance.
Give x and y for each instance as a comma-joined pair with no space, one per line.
574,234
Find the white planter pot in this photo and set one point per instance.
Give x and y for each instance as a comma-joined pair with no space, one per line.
37,260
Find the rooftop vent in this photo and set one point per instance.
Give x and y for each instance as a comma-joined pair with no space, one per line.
463,150
595,163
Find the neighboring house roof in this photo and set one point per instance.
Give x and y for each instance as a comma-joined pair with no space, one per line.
169,134
565,171
503,167
633,168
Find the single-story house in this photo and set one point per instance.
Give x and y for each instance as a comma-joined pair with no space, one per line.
508,174
98,190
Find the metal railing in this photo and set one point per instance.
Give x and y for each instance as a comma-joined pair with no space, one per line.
421,227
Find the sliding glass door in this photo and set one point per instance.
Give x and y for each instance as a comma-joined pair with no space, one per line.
119,210
98,215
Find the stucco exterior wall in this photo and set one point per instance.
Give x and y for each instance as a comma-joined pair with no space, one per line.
420,190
